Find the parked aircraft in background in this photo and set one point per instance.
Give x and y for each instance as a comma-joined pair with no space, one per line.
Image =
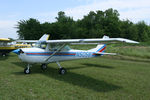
7,45
49,51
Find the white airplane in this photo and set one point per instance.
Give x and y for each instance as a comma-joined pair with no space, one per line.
47,51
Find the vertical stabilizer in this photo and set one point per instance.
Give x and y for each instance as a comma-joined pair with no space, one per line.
44,37
99,48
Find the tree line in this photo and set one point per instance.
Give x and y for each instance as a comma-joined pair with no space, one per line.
93,25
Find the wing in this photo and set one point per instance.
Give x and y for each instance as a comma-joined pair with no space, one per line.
5,39
104,39
45,37
27,41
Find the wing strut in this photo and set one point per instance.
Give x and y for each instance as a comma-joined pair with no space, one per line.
55,52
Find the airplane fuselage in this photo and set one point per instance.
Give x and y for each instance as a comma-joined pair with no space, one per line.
38,55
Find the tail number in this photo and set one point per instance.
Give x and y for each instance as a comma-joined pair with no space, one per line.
84,54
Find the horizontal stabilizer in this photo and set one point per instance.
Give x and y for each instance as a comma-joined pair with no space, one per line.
103,53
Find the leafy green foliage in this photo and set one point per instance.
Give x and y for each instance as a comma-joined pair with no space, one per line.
94,25
30,29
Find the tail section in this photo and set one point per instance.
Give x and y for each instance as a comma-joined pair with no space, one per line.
100,50
44,37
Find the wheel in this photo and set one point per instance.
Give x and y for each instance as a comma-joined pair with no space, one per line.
43,66
27,71
3,54
62,71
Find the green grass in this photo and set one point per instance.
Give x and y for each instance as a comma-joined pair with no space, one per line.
121,77
130,50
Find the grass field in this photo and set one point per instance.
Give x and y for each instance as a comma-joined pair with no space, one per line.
122,77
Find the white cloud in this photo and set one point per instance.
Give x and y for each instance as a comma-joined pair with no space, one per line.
7,29
134,10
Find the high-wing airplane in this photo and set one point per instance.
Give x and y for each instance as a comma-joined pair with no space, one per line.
49,51
5,46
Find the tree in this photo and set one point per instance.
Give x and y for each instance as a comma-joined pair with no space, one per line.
29,29
143,31
65,26
93,25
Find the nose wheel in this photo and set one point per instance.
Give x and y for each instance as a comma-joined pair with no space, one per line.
27,70
62,70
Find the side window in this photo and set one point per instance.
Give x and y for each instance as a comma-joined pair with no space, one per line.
40,45
54,47
66,48
43,45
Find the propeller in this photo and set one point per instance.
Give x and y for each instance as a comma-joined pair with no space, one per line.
18,51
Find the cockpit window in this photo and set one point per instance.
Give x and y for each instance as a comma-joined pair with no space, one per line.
55,47
66,48
40,44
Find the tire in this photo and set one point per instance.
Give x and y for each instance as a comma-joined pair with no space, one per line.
43,66
62,71
3,54
27,71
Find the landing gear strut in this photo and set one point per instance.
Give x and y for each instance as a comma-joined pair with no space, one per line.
27,70
61,70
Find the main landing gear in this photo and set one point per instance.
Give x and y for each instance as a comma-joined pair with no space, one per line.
44,67
61,71
3,54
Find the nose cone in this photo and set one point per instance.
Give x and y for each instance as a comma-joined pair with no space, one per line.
17,51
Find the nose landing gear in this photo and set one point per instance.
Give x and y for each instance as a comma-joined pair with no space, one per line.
27,70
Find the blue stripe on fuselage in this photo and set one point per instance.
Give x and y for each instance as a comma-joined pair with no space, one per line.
61,54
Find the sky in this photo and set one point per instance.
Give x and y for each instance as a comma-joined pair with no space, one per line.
12,11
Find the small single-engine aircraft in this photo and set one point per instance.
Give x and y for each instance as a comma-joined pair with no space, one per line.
49,51
5,46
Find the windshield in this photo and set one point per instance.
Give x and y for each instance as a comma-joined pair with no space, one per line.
41,45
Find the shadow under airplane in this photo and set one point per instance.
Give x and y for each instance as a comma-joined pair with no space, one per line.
74,78
96,65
